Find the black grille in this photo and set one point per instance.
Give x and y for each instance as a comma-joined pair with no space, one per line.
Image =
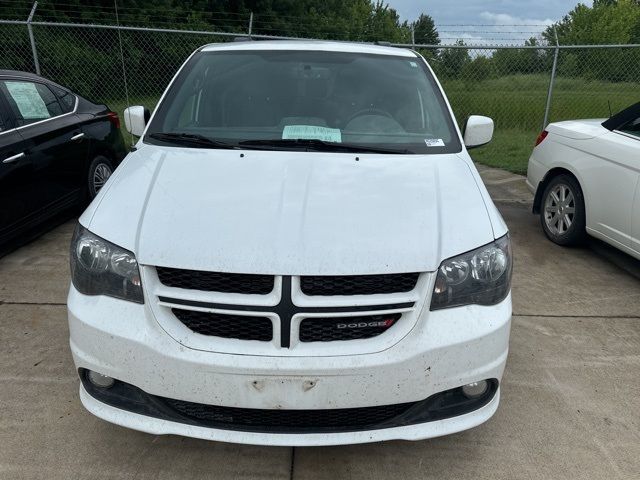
288,420
240,327
358,284
345,328
216,281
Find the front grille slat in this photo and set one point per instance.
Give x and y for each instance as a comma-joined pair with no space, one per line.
239,327
358,284
288,420
320,323
345,328
216,281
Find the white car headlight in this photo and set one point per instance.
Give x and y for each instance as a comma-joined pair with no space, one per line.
99,267
481,277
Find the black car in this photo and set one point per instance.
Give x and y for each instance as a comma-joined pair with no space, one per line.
57,150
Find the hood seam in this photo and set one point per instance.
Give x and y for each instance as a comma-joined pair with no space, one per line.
482,194
152,185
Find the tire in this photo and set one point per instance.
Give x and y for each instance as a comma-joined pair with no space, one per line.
99,172
562,212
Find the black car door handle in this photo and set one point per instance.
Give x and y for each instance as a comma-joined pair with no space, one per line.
77,136
13,158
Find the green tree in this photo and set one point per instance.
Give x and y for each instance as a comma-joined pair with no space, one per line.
152,58
385,24
479,69
522,60
606,22
453,60
362,20
425,32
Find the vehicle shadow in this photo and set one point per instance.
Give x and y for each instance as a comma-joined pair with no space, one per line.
616,257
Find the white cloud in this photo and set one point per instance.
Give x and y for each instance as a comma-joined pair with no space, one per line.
504,19
487,22
495,29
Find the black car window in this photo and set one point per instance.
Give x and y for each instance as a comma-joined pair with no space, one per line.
632,128
347,99
3,122
30,101
67,99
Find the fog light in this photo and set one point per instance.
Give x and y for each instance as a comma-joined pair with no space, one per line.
475,389
99,380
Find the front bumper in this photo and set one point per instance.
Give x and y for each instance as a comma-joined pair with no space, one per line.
156,426
446,349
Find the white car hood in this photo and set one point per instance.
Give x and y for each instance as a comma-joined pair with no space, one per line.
291,213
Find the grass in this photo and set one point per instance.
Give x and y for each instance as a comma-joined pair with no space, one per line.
510,150
516,103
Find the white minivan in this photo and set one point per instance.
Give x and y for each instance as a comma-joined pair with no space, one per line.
299,251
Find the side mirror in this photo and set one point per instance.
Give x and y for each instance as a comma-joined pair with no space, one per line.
135,120
478,131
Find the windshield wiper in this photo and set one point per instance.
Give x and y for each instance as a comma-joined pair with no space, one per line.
320,146
191,139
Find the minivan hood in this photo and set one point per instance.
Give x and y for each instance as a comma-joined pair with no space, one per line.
291,213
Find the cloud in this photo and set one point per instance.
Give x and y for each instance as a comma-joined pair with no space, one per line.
504,19
495,29
487,22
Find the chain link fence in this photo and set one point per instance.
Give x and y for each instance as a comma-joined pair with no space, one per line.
521,88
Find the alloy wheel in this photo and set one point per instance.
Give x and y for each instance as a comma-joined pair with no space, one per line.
100,176
560,209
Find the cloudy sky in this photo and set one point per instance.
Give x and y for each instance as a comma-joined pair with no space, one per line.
496,16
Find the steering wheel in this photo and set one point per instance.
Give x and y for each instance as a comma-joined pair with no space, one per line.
369,111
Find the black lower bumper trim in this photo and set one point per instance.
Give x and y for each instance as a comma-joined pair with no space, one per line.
448,404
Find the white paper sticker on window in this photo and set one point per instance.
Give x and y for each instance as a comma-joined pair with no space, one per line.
310,132
28,100
434,142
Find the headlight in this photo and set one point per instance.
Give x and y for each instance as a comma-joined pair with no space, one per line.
99,267
481,277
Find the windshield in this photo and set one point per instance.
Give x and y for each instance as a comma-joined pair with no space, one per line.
291,100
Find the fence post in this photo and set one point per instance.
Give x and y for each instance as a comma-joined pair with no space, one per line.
552,81
250,24
36,63
413,36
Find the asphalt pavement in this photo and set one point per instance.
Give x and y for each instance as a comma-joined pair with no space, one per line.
570,406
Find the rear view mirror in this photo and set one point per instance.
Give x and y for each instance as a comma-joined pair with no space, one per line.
478,131
135,119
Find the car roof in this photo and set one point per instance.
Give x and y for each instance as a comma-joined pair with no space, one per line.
33,76
17,73
30,76
307,45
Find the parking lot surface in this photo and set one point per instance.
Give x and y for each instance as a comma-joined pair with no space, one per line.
570,403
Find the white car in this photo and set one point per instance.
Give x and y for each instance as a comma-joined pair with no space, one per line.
585,175
298,252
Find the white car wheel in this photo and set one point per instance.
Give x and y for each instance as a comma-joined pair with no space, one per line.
563,213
